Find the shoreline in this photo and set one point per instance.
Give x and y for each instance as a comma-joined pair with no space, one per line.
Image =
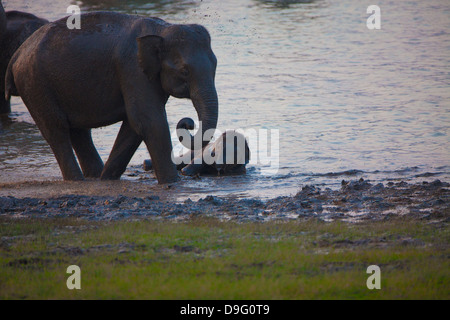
356,200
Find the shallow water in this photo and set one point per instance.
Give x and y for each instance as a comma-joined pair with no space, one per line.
348,102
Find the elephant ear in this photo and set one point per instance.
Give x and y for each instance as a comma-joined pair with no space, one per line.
149,54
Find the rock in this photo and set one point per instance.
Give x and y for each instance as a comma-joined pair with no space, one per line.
308,190
359,185
377,188
401,184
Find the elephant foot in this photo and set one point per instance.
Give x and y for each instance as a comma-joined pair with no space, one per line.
192,169
112,171
93,169
169,180
5,106
74,179
73,176
95,173
109,175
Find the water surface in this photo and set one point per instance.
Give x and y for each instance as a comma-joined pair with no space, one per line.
348,102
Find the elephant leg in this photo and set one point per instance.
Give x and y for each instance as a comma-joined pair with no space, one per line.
145,108
59,140
155,131
55,129
88,157
125,146
5,105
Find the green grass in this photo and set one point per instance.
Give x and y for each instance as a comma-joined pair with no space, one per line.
210,259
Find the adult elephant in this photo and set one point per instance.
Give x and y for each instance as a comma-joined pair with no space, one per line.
117,67
15,28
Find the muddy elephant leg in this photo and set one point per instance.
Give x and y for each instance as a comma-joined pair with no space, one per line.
55,129
145,108
125,146
5,106
58,137
157,139
88,157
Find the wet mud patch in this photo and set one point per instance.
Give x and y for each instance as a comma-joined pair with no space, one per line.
356,200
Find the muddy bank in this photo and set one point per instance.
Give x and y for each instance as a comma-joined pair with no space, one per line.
354,201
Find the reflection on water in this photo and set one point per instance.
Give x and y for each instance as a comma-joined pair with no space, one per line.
285,3
372,103
23,152
138,6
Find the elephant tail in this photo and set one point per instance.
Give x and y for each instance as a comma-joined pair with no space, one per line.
10,85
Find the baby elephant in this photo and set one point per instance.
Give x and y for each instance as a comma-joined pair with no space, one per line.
227,155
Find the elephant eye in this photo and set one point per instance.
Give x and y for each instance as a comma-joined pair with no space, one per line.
185,72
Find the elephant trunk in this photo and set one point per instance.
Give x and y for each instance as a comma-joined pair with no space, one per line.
207,106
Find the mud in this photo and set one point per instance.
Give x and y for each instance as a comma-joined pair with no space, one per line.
357,200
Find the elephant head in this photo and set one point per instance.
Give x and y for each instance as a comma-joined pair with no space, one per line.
181,59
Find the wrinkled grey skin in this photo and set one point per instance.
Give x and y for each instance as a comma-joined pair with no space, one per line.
117,67
198,166
15,28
